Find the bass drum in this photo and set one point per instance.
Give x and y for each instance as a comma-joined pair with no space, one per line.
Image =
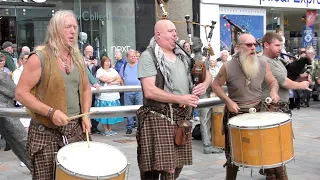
77,161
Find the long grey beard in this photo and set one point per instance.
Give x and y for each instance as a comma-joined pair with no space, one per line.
11,128
250,66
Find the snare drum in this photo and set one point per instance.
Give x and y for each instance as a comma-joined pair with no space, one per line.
262,139
218,140
77,161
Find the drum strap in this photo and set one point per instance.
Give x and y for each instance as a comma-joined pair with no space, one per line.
278,107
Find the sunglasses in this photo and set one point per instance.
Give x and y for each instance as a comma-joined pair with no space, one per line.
249,45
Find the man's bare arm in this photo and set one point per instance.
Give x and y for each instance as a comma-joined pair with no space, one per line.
218,82
208,79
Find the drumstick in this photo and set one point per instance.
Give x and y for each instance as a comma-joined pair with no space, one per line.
252,110
268,100
78,116
87,135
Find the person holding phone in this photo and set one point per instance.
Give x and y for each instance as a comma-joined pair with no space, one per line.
92,68
91,61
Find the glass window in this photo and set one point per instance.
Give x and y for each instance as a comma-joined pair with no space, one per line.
291,22
109,24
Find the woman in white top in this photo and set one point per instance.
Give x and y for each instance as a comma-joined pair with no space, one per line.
109,77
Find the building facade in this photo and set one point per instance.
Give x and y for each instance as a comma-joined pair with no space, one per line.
298,19
109,24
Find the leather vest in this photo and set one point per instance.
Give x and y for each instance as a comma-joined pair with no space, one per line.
159,83
51,89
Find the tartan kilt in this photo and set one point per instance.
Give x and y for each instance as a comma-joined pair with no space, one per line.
155,138
43,143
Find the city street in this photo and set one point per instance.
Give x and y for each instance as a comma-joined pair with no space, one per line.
306,166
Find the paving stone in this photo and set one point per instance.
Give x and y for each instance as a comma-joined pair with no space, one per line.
306,166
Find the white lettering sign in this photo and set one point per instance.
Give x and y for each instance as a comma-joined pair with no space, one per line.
306,4
120,48
93,17
36,1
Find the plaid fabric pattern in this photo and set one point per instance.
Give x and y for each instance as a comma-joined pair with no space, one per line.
154,175
44,142
155,137
278,173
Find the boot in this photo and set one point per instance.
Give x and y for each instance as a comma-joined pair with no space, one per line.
281,173
270,174
8,147
232,172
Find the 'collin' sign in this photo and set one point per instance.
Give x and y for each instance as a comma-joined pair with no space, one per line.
36,1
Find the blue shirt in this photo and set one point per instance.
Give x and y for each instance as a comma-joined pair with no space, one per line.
118,65
130,75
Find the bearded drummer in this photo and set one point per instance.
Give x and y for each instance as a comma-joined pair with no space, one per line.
53,86
272,44
243,76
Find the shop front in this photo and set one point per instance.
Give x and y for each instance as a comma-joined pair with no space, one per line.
109,25
298,19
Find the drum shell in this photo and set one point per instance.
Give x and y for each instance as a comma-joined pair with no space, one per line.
217,138
62,173
262,147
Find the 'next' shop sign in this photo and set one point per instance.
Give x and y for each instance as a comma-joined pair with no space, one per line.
305,4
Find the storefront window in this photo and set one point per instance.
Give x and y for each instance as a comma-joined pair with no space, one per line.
110,25
296,31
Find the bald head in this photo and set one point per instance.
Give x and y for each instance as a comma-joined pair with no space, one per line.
165,34
25,49
88,51
245,37
162,25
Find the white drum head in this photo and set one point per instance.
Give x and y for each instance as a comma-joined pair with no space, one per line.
259,119
100,160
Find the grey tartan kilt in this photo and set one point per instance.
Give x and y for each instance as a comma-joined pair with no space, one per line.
155,137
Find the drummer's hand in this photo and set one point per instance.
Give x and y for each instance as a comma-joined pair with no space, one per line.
86,124
232,106
275,97
199,90
59,118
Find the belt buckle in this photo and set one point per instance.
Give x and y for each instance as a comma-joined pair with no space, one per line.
41,128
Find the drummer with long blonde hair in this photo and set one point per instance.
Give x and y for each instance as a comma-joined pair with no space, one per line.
243,76
53,86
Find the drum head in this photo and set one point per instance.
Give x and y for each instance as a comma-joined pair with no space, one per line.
100,160
259,119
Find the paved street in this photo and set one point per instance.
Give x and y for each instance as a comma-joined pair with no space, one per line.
306,166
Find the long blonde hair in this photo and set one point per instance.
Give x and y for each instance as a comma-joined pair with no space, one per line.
54,39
